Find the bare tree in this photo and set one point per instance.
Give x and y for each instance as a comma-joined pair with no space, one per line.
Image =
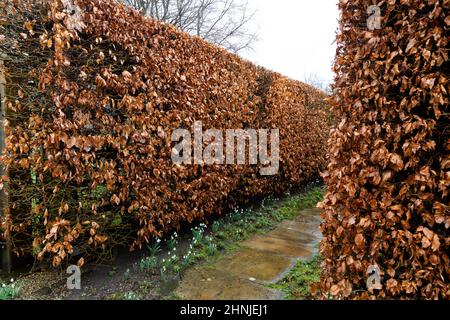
223,22
318,82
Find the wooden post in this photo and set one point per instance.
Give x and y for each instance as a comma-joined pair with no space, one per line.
4,203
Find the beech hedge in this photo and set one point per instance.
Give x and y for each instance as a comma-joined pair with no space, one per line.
388,174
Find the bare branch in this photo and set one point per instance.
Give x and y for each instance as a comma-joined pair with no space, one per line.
223,22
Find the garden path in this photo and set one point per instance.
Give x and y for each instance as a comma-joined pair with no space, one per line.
261,260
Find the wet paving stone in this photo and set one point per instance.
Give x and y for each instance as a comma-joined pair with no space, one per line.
260,265
279,246
215,284
292,235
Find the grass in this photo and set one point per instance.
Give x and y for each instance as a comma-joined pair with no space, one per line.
113,272
140,293
297,284
130,295
8,291
148,263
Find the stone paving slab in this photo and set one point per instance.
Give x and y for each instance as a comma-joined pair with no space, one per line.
260,265
292,235
215,284
279,246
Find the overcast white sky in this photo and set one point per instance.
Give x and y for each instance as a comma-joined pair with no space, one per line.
296,37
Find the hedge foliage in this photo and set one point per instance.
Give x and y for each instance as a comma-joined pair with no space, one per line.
91,105
388,176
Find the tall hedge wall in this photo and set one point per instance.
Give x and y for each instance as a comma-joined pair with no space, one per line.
388,176
93,96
